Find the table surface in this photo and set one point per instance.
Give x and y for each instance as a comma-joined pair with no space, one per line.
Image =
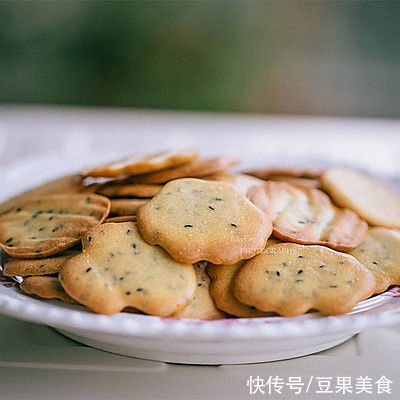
36,362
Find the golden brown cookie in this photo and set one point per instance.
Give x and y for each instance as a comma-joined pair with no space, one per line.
66,184
38,266
118,269
197,220
47,287
221,289
295,172
137,164
197,168
291,279
126,207
242,182
124,218
129,190
377,204
46,225
202,306
380,253
307,216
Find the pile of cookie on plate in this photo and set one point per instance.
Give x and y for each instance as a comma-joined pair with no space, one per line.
172,234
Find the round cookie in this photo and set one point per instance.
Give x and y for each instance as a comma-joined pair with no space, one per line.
242,182
307,216
47,287
291,279
221,289
37,266
137,164
46,225
202,306
380,253
197,220
126,207
197,168
118,269
377,204
295,172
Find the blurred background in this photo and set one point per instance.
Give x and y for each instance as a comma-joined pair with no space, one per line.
304,57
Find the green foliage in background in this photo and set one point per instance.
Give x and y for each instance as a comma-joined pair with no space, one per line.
288,57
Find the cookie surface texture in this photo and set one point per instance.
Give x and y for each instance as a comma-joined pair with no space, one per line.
197,220
377,204
118,269
138,164
46,225
38,266
197,168
242,182
380,253
291,279
221,289
202,306
307,216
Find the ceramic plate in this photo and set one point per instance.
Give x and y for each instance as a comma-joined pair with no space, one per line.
226,341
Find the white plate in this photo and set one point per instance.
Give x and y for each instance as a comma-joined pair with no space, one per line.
228,341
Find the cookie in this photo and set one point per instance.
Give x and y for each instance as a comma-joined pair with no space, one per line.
47,287
377,204
197,168
380,253
291,279
197,220
306,183
137,164
202,306
124,218
37,266
124,207
241,181
295,172
46,225
307,216
118,269
66,184
221,289
129,190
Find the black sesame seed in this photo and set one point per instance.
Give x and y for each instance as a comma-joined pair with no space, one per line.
299,280
41,229
18,209
278,273
252,307
234,225
38,251
333,286
112,254
139,290
32,238
127,293
128,232
284,264
301,222
133,245
199,284
322,266
211,208
42,265
158,208
121,278
341,262
374,262
26,222
89,239
9,240
89,269
88,200
51,218
300,257
10,245
218,199
300,271
188,226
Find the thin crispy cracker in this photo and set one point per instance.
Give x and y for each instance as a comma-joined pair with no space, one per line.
46,225
126,207
307,216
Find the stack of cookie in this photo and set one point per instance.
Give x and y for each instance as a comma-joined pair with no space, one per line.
174,235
